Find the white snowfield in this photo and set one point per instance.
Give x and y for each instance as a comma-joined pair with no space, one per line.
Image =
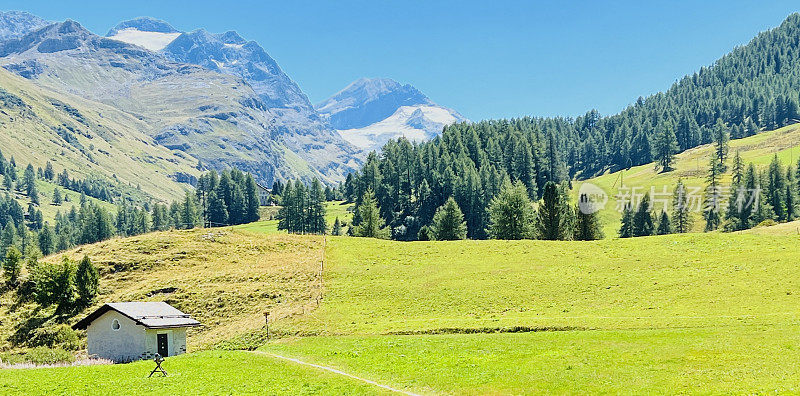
416,123
153,41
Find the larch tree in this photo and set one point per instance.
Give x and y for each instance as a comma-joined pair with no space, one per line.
448,222
511,214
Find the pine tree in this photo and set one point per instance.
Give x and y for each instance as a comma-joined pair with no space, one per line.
58,199
681,217
448,222
664,224
750,202
790,196
734,219
665,145
189,215
372,225
643,218
626,227
587,225
552,220
511,214
713,202
721,138
46,240
252,199
12,266
64,286
337,227
217,211
29,178
315,213
776,188
87,280
49,173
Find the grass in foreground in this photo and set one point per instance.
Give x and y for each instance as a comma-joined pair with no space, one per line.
380,287
744,359
210,372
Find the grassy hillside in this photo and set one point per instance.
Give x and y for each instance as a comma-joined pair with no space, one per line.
684,313
46,205
86,138
225,278
381,287
688,313
692,167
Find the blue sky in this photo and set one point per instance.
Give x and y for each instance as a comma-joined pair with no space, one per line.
486,59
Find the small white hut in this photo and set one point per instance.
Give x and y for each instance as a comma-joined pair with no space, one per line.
129,331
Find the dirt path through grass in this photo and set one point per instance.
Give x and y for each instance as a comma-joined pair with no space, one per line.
335,371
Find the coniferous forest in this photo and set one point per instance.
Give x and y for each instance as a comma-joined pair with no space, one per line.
753,88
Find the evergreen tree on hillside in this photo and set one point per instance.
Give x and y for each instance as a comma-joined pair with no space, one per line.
448,222
751,200
46,240
87,280
372,225
681,216
217,211
337,227
643,224
713,196
58,199
552,220
587,225
626,228
664,224
252,199
736,217
665,146
189,214
776,188
49,173
790,195
721,138
12,266
315,212
511,214
29,178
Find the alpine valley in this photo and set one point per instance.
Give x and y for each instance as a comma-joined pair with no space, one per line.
153,107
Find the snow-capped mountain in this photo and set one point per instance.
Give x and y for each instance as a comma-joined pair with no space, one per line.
15,24
292,115
371,111
146,32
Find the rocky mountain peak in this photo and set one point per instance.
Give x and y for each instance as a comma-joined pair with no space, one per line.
15,24
143,24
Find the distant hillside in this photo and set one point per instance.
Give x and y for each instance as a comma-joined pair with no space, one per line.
290,116
371,111
87,138
15,24
692,167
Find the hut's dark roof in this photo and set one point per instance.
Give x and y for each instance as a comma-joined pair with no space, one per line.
152,315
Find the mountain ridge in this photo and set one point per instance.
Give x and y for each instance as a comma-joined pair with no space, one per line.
371,111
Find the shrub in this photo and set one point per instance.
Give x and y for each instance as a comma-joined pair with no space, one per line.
44,355
58,336
767,223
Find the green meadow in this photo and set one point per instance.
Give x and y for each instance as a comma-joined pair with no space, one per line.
692,167
210,372
692,313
